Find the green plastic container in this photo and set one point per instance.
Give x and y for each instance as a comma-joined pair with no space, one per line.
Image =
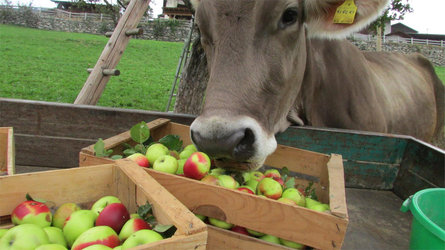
428,225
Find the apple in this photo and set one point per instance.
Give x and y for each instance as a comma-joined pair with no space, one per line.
166,164
131,226
24,236
319,207
190,147
291,244
155,151
295,195
98,247
270,238
63,212
141,237
197,166
272,173
185,154
211,179
220,223
140,159
279,180
32,212
239,229
181,163
118,248
3,232
102,235
217,171
77,223
55,235
252,184
51,246
201,217
114,215
256,175
270,188
175,154
287,201
100,204
135,215
255,233
227,181
311,202
246,189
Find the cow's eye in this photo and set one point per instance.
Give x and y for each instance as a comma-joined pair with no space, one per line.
289,17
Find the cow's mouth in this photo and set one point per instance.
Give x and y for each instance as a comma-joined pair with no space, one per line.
233,165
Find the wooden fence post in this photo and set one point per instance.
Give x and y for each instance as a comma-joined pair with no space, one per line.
112,53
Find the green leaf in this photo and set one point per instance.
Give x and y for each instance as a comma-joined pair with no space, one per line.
290,183
140,132
140,148
29,198
172,142
99,149
128,152
116,157
144,210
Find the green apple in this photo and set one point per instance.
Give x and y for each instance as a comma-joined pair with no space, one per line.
140,159
101,235
155,151
51,246
287,201
217,171
79,222
252,184
319,207
220,223
63,212
180,170
166,164
272,173
227,181
118,248
201,217
185,154
255,233
291,244
197,166
55,235
311,202
141,237
190,147
270,238
256,175
24,236
135,215
101,203
97,247
270,188
2,232
295,195
32,212
131,226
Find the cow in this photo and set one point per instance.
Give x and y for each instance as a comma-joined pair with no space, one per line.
273,63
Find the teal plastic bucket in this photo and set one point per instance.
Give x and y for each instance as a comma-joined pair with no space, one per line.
428,224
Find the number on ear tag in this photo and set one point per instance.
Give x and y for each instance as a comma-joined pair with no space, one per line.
345,13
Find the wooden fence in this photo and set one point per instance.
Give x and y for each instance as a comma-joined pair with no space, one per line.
397,39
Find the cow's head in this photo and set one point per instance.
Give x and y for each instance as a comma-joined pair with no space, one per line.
256,52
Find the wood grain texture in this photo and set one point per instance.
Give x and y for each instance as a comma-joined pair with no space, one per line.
337,195
7,151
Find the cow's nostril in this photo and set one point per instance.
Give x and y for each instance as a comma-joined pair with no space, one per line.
244,150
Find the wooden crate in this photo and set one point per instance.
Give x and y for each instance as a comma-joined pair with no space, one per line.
123,179
7,151
312,228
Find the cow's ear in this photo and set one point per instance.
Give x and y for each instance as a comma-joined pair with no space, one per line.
195,3
320,16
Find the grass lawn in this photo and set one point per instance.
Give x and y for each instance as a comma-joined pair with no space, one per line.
51,66
441,73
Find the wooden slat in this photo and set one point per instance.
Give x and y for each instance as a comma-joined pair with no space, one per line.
166,207
220,239
7,151
337,195
59,186
194,241
243,209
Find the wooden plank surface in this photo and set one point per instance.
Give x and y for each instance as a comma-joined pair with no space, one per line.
7,151
337,196
242,209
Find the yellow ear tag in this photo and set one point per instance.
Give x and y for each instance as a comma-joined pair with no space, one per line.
345,13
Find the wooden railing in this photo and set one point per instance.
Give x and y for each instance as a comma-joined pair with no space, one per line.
397,39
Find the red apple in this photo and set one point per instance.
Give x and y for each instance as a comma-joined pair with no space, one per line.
197,166
239,229
114,215
140,159
32,212
272,173
279,180
131,226
99,235
270,188
246,189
